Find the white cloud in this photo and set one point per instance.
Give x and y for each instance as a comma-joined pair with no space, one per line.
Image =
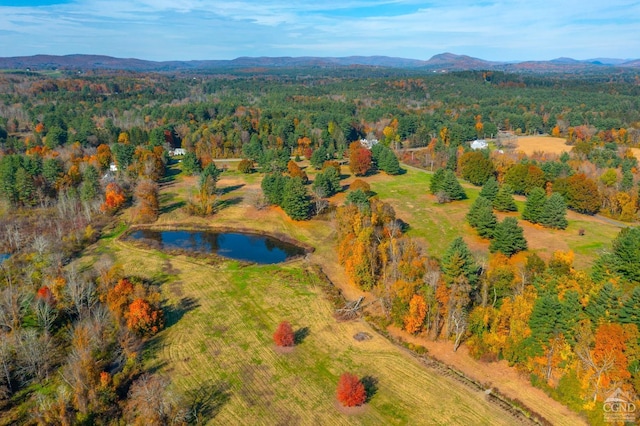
203,29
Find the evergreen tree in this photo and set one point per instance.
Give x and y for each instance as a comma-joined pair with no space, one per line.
209,178
545,322
327,182
385,159
318,157
571,314
482,218
273,187
504,202
9,165
452,187
90,184
604,306
56,137
25,187
51,171
476,167
624,258
629,312
534,207
508,237
436,181
295,201
554,212
190,164
358,198
490,189
457,262
253,150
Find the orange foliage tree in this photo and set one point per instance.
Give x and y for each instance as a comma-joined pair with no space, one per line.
113,198
351,391
284,335
417,312
143,318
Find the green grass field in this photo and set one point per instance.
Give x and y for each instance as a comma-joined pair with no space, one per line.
218,341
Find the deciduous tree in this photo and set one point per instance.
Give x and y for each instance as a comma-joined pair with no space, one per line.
351,391
284,335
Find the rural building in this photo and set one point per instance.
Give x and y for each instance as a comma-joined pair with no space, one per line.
113,167
479,144
177,151
368,143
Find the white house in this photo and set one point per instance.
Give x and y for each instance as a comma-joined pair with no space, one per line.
479,144
113,167
177,151
368,143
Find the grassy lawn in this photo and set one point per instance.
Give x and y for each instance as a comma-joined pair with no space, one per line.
218,341
438,224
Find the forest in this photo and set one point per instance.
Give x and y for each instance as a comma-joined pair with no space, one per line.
83,156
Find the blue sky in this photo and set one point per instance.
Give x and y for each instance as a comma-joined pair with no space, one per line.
206,29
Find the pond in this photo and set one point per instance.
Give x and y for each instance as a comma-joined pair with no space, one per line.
4,256
233,245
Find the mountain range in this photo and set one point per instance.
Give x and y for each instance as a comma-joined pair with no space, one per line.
442,62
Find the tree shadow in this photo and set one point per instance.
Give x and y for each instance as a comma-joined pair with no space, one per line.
370,384
206,401
174,313
229,202
300,334
228,189
170,175
173,206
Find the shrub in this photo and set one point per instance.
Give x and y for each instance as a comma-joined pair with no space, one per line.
351,392
284,335
245,166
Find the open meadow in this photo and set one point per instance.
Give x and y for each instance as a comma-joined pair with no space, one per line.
222,314
218,346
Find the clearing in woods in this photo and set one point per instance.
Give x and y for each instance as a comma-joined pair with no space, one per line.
532,144
222,316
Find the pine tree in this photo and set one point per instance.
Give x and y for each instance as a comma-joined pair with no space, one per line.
295,201
504,202
490,189
327,182
624,258
90,184
604,306
554,212
545,322
508,237
629,312
458,261
482,218
534,207
436,181
273,187
190,164
452,187
25,187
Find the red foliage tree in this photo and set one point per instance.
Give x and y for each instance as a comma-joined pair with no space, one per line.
45,294
351,392
359,159
284,335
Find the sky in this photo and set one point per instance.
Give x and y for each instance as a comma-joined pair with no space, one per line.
502,30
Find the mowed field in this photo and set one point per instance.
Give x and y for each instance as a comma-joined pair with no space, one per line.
218,346
218,343
437,225
532,144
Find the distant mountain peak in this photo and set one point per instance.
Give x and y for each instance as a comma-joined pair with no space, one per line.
446,61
